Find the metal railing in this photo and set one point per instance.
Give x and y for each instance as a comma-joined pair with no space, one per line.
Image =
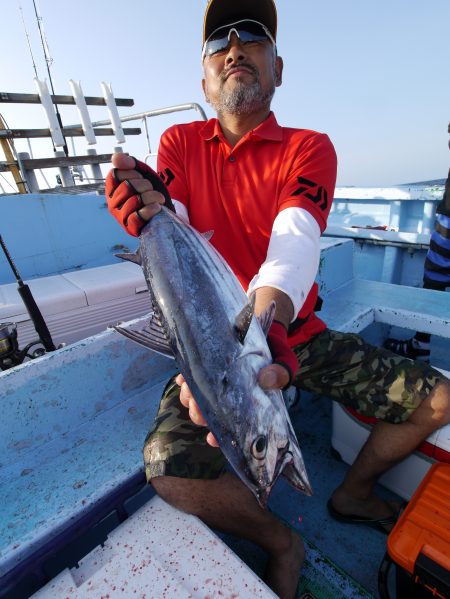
71,169
152,113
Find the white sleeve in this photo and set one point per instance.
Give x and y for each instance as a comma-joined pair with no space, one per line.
181,210
293,256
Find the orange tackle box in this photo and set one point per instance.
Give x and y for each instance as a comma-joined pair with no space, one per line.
419,543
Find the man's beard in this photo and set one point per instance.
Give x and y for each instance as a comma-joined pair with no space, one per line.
244,98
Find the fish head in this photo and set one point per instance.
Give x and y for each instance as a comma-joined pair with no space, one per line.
259,440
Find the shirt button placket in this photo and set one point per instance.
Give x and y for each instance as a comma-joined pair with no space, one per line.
230,170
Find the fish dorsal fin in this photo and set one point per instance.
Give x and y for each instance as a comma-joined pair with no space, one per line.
207,235
131,257
244,318
266,318
151,336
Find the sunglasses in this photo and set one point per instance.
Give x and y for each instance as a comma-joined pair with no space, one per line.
246,30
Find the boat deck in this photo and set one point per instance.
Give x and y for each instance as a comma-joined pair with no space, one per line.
74,421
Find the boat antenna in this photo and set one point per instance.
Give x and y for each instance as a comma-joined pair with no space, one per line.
48,62
28,41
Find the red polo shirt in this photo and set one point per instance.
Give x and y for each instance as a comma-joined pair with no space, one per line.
238,191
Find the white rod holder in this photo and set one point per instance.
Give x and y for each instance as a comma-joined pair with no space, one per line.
29,175
96,171
113,112
49,109
80,101
64,171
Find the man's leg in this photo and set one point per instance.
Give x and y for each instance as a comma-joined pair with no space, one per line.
387,445
188,473
226,504
410,399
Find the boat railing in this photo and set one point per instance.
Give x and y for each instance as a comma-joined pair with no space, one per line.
401,214
71,168
143,116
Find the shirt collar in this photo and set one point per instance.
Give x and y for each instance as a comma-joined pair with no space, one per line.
269,129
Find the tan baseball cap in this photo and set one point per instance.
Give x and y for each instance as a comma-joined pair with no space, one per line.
223,12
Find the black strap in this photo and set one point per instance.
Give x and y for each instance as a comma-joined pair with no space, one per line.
158,185
298,322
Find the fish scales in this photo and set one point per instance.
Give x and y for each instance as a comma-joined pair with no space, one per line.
197,301
190,298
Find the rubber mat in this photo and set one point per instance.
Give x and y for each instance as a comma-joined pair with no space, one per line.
321,579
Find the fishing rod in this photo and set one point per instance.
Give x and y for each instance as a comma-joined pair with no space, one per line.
48,62
10,354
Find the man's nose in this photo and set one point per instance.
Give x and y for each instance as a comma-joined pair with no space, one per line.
236,50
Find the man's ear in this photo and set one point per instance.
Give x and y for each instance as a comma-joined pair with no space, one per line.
278,71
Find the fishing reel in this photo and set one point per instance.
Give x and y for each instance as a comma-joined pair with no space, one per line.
10,354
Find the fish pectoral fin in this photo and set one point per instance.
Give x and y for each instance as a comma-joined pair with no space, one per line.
266,317
131,257
244,318
152,336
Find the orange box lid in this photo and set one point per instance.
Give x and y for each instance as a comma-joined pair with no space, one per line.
424,526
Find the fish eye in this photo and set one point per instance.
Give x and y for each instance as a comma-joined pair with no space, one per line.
259,447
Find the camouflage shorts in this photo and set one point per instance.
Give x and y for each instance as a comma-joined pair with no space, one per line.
342,366
372,380
175,446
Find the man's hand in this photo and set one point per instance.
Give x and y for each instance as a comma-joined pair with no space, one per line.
277,336
188,401
134,193
273,376
282,354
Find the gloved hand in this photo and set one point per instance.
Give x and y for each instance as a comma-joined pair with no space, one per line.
282,354
134,193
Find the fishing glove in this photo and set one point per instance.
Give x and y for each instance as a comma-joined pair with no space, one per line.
124,201
282,354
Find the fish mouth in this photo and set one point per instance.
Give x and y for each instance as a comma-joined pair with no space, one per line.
262,496
283,452
262,492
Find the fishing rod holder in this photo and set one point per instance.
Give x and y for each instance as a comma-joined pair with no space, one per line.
10,354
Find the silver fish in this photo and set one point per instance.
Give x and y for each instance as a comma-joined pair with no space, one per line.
203,318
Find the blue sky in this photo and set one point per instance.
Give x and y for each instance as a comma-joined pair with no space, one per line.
374,75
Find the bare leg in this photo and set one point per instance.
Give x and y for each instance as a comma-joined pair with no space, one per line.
387,445
226,504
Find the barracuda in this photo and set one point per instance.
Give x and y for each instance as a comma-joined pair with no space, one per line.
202,317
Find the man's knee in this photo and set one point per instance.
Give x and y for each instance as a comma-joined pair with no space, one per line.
174,490
190,495
436,407
162,485
440,402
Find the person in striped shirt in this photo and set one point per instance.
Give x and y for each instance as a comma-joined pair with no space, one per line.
436,276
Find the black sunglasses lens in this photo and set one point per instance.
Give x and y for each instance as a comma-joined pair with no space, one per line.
216,45
247,32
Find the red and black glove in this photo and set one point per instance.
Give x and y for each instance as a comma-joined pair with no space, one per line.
124,201
282,354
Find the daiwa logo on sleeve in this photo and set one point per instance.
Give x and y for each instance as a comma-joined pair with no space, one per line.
317,194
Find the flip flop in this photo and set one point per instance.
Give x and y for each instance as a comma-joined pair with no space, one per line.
378,523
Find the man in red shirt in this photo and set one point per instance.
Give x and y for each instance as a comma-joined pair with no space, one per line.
266,191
